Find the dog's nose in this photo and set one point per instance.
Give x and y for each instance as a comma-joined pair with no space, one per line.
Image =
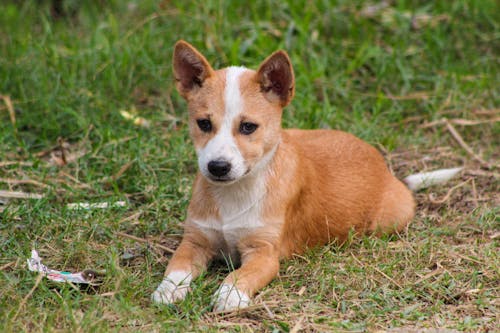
219,168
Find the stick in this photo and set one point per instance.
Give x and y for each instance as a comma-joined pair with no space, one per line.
96,205
143,240
448,194
461,122
19,163
73,179
23,181
269,313
474,193
20,195
378,270
10,108
298,325
429,275
487,112
7,265
25,299
122,170
462,143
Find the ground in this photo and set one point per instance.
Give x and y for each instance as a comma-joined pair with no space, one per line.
88,113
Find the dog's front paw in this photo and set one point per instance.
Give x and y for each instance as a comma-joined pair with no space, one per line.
173,288
228,298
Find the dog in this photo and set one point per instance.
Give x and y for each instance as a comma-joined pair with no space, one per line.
263,193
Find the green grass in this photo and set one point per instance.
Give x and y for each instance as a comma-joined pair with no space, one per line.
377,76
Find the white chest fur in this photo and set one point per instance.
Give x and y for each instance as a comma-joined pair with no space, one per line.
239,210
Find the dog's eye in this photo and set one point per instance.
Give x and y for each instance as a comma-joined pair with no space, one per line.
204,124
248,128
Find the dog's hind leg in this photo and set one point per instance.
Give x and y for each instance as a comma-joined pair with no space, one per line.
395,209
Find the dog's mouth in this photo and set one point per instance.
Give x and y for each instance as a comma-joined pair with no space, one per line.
221,179
226,180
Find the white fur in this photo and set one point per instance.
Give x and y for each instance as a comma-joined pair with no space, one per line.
425,179
223,146
232,94
228,297
239,210
174,287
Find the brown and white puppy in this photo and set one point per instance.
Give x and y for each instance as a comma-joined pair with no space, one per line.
264,193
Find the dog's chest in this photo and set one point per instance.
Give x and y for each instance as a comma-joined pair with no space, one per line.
239,215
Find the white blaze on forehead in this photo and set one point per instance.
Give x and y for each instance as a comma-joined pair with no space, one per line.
232,94
223,146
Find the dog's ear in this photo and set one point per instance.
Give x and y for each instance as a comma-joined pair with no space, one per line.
191,69
276,79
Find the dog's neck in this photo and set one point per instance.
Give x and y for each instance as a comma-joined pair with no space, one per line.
247,193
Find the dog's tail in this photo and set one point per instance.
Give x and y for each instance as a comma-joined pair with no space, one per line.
422,180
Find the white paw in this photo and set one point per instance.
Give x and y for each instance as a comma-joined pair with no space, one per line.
228,297
174,287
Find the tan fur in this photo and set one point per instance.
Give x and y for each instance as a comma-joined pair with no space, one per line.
320,184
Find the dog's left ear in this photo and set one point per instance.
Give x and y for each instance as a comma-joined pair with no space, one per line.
276,79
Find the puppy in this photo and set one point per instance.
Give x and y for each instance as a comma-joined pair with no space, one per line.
263,193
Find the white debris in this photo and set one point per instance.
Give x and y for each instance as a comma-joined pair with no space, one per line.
35,265
96,205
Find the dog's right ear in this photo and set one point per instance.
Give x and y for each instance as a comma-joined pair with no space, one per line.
191,69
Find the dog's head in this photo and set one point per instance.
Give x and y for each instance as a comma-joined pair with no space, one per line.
234,113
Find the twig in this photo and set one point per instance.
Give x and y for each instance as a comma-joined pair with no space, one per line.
10,108
120,173
429,275
269,312
379,271
482,173
236,312
20,195
461,122
25,299
19,163
7,265
411,96
462,143
23,181
388,277
108,294
448,194
70,177
453,253
474,193
131,217
96,205
123,169
112,143
298,325
62,149
487,112
143,240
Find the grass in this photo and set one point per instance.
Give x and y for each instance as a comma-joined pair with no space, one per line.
377,72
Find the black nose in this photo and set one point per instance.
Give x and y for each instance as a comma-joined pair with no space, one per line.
219,168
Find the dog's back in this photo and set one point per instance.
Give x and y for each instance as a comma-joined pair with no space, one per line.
340,184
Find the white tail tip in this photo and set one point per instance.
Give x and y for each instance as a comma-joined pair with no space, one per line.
422,180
